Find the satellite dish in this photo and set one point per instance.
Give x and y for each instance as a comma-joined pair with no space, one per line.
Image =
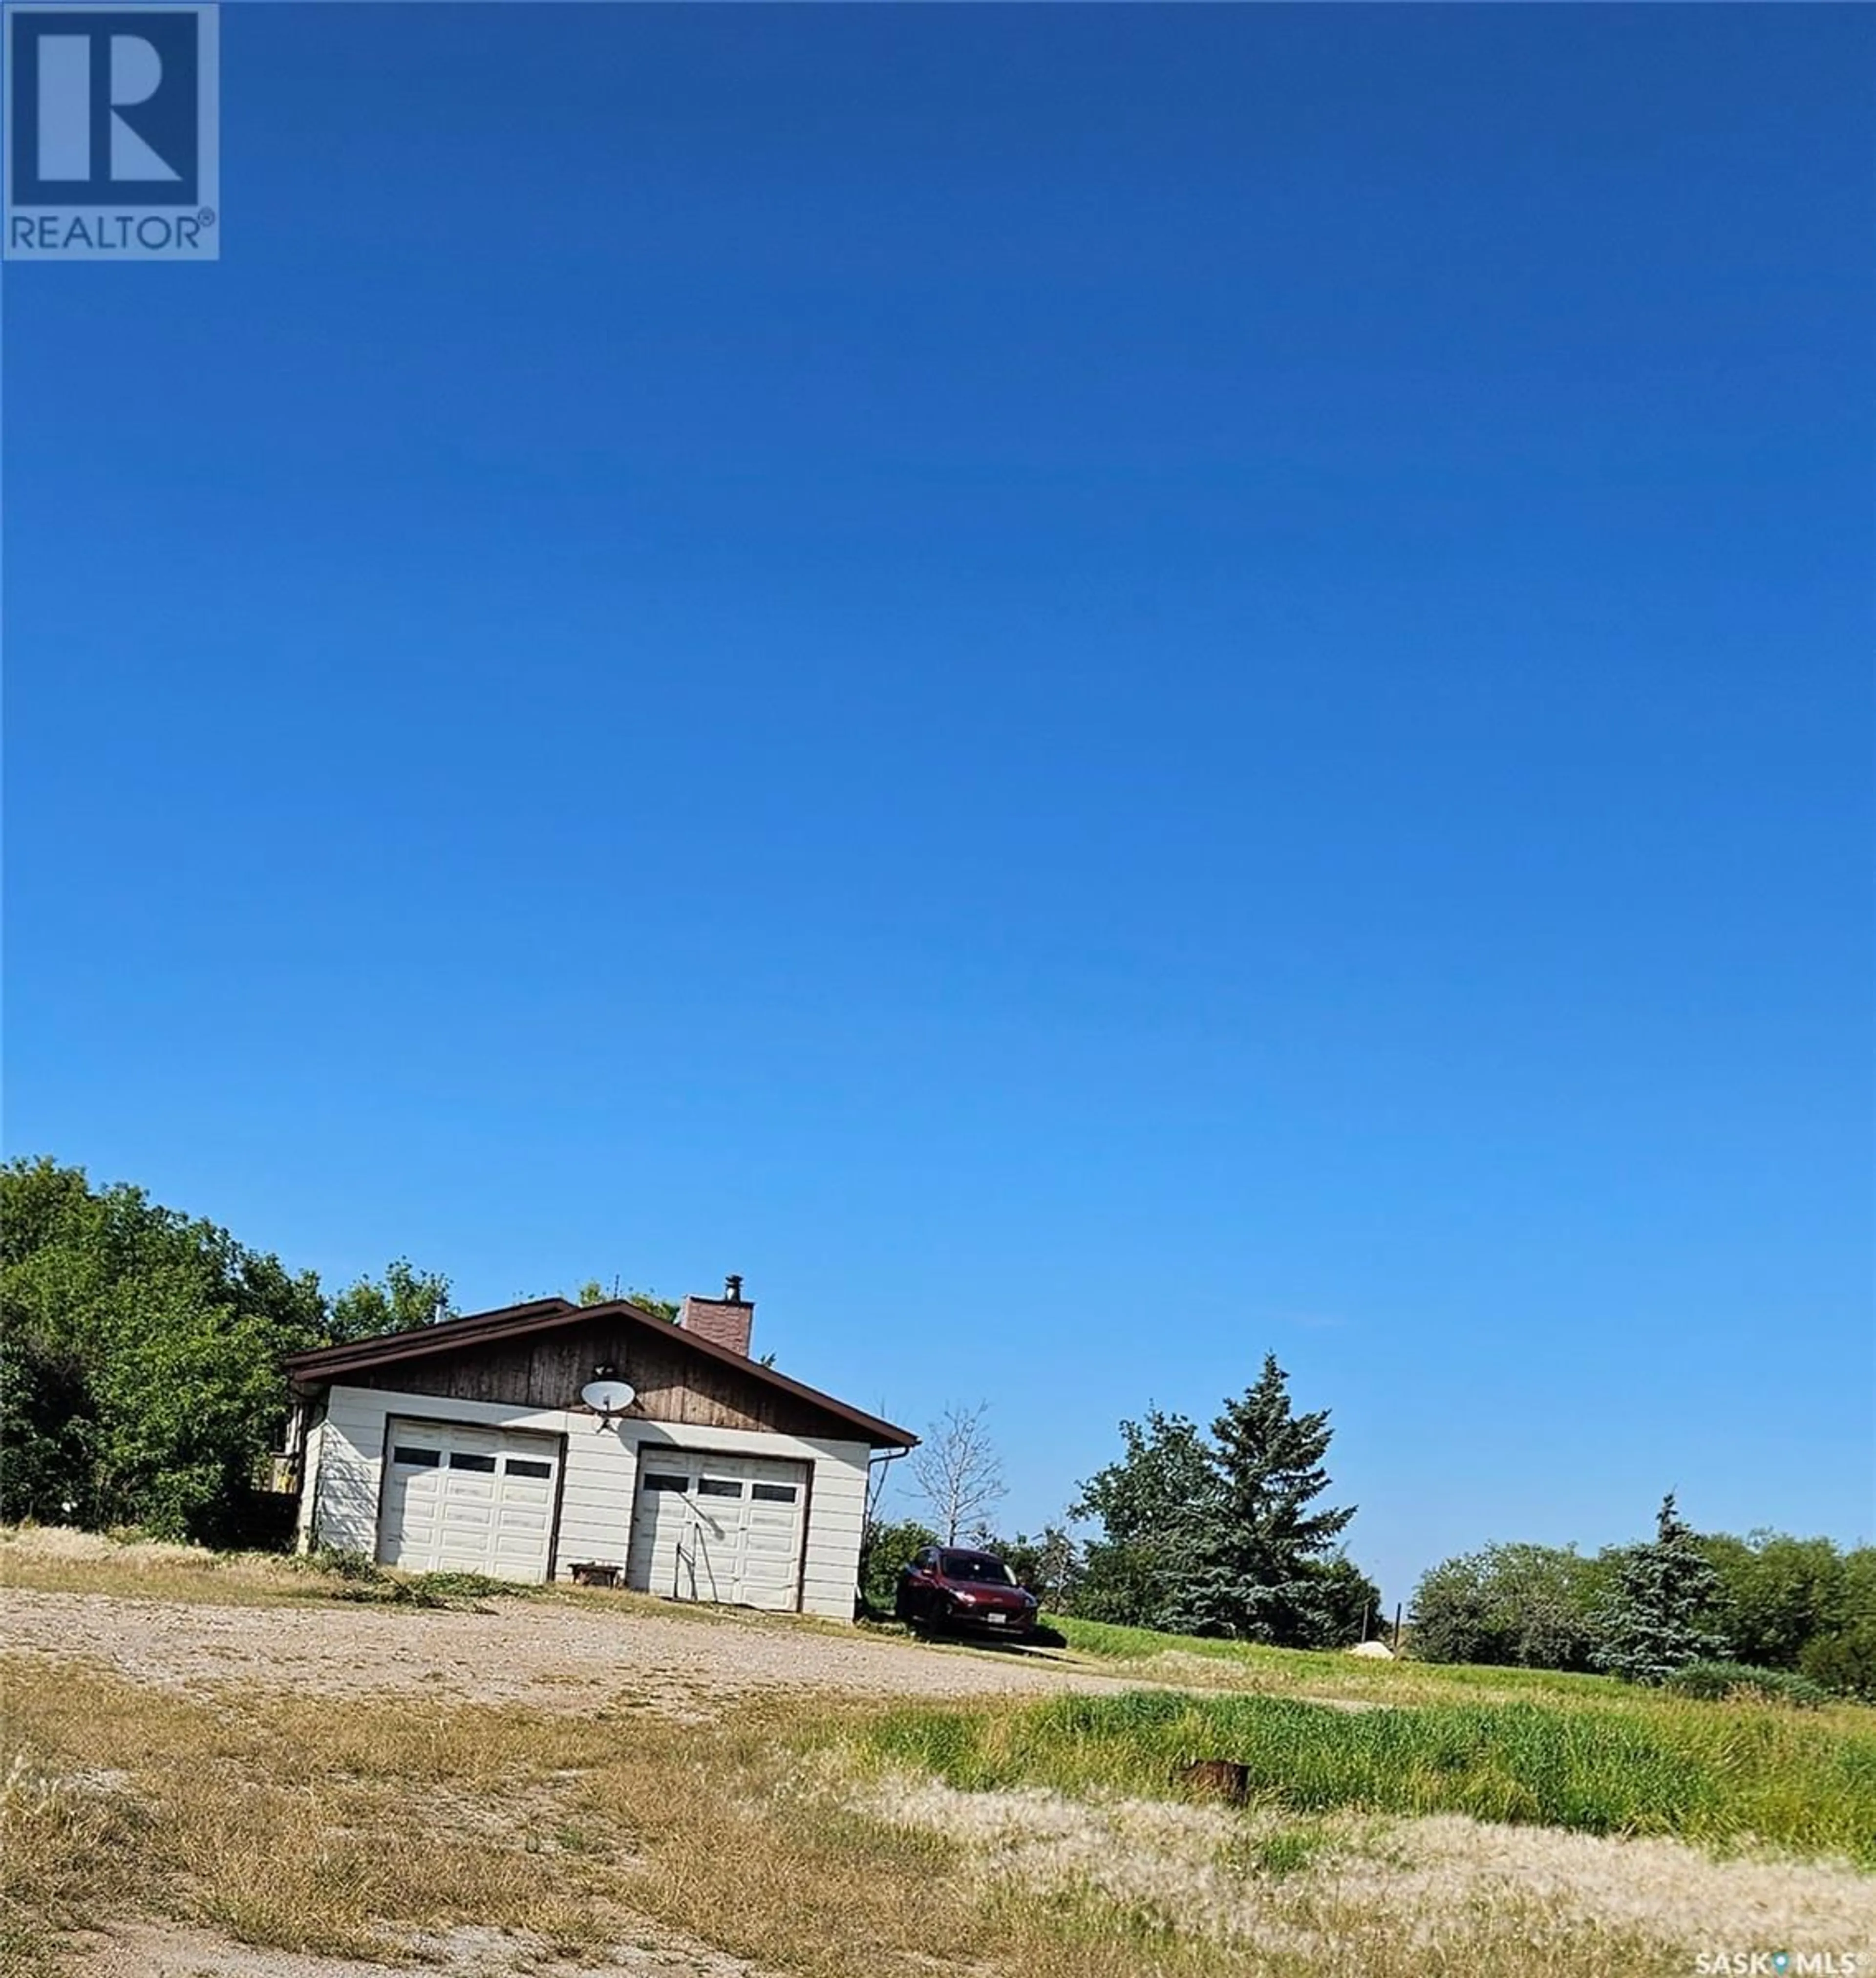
608,1397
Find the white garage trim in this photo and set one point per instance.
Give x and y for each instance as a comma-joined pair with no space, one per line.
305,1517
597,1482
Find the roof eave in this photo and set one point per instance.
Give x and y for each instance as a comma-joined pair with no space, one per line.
322,1366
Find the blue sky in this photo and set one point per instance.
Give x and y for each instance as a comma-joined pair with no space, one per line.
1095,690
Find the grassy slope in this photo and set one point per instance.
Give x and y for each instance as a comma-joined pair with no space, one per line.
1716,1775
293,1822
1585,1753
625,1813
1244,1664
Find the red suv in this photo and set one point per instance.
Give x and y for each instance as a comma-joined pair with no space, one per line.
944,1587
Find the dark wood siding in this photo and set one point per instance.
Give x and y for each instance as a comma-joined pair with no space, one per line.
674,1383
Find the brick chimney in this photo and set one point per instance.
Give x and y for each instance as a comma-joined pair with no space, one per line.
723,1322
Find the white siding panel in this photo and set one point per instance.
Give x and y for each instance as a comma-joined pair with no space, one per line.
304,1519
831,1568
583,1496
596,1499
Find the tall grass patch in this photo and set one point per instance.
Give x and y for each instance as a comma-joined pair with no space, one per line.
1717,1776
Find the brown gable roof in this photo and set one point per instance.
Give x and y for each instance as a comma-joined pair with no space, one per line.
325,1364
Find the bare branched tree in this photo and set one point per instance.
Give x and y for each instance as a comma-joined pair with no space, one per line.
957,1471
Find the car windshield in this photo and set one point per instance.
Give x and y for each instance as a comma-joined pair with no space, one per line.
975,1565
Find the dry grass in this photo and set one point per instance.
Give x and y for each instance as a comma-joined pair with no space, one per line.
357,1827
790,1830
1316,1884
277,1823
55,1559
66,1842
52,1560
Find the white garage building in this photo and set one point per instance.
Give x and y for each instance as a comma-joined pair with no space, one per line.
466,1446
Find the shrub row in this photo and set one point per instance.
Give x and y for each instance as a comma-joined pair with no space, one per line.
1719,1681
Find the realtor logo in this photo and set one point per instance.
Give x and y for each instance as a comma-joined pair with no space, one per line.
111,145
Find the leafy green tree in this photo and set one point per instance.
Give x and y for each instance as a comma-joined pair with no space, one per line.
1451,1617
140,1372
592,1291
1856,1594
1843,1656
884,1547
1158,1505
1334,1604
1127,1583
1529,1606
47,1419
156,1338
1777,1593
1050,1565
1659,1614
1844,1660
405,1298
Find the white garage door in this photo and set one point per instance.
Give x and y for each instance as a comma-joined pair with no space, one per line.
724,1528
460,1498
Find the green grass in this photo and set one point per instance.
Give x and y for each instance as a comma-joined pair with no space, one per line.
1718,1776
1288,1850
1194,1660
1111,1643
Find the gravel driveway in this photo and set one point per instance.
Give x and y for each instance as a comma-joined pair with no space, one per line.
521,1652
551,1657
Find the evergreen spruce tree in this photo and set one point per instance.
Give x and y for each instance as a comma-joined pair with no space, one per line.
1267,1577
1657,1619
1223,1534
